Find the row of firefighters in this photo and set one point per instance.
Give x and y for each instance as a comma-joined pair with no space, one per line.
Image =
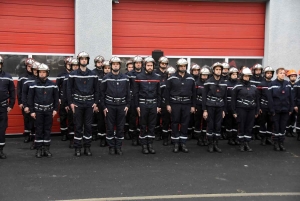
144,104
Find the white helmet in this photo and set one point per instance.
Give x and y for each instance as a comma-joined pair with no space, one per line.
36,65
233,70
137,59
1,60
83,54
98,58
115,59
181,61
149,59
171,70
225,65
269,69
257,66
106,63
217,64
195,67
163,59
246,71
205,71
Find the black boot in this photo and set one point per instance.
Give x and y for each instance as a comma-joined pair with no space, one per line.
87,151
298,136
158,132
150,148
102,141
276,146
165,139
281,147
230,138
200,141
247,147
184,149
112,151
38,153
77,152
269,141
216,147
32,147
2,155
27,137
176,148
94,136
64,135
47,152
134,138
210,147
204,138
242,146
119,151
126,135
145,149
71,145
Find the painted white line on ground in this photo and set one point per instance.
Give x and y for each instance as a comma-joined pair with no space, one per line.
161,197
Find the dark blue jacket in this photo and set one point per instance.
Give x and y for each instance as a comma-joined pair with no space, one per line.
230,84
21,81
59,82
256,80
280,97
296,90
25,90
115,90
43,94
245,95
147,86
215,93
263,94
82,88
7,91
181,87
199,85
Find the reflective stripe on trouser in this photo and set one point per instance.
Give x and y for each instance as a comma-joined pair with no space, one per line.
166,121
291,122
147,123
280,121
266,124
83,126
115,116
214,122
180,115
133,117
98,125
200,122
43,128
230,125
3,125
66,120
245,119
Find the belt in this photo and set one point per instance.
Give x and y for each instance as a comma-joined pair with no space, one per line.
4,103
181,98
83,98
147,101
43,107
115,100
246,102
212,98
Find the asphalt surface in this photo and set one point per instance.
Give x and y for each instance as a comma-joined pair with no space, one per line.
64,176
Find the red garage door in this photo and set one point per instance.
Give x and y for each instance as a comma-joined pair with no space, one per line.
37,26
188,28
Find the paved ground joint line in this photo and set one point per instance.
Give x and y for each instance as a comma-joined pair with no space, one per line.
221,195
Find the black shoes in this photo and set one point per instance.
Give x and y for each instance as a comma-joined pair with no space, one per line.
119,151
216,147
281,147
2,155
184,149
102,141
176,148
87,151
145,149
247,147
77,152
276,146
39,153
150,149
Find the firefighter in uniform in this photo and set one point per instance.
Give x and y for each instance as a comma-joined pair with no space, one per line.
64,117
98,70
147,95
200,122
101,127
214,100
195,70
281,105
181,100
225,71
245,108
292,75
128,68
115,101
28,122
266,123
133,126
165,115
256,79
64,101
43,101
163,76
25,91
229,121
7,101
296,108
83,95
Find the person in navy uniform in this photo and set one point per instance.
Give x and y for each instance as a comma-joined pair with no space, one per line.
163,76
229,121
25,92
256,79
43,102
200,122
133,120
98,70
289,131
128,67
28,123
245,108
7,101
147,95
266,123
115,101
214,100
65,119
83,96
181,101
281,105
64,101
